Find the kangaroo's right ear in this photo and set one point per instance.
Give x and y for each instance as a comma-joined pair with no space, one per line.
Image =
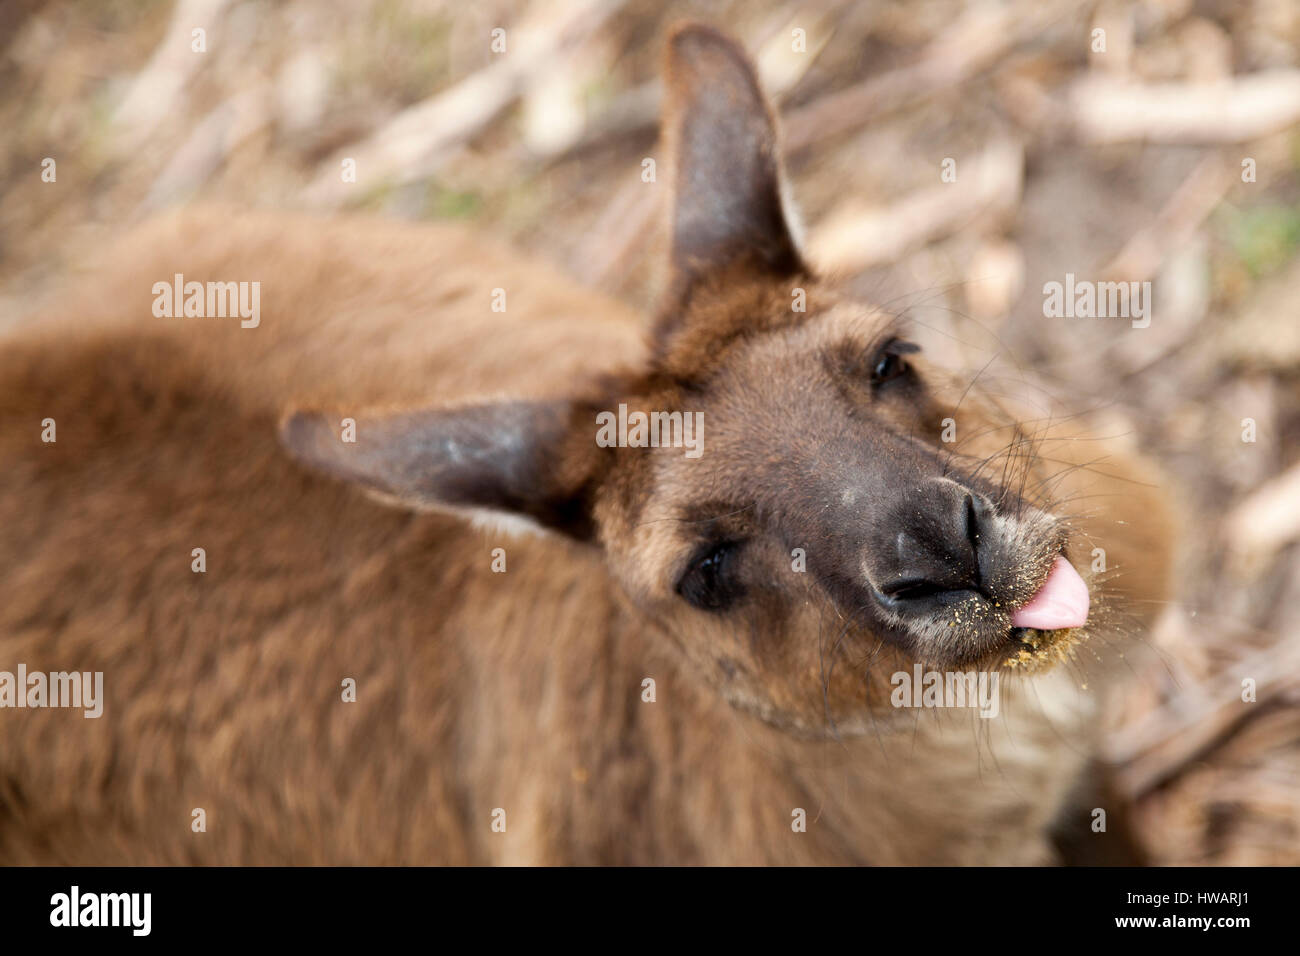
535,460
729,205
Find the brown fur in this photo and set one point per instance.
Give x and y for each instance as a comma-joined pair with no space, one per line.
479,690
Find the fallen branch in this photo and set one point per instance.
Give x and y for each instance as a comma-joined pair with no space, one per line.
418,140
1109,110
981,38
1268,519
853,239
1179,218
1159,745
156,89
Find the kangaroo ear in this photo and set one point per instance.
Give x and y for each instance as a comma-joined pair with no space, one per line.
729,196
510,459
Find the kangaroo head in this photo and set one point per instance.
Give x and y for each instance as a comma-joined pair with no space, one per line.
779,500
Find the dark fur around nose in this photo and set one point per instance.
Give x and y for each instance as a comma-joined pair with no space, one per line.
937,543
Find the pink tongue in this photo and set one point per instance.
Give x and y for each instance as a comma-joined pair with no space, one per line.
1061,602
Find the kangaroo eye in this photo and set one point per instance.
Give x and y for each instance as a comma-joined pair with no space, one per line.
709,581
887,366
889,363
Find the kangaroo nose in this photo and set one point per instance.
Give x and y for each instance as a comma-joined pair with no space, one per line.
941,537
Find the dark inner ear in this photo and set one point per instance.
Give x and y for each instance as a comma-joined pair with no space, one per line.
519,458
727,207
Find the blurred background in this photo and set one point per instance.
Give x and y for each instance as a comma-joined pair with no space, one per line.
1148,141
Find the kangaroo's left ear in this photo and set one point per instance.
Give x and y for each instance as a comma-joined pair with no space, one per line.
729,205
535,460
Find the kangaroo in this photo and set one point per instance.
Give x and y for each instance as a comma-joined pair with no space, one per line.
375,579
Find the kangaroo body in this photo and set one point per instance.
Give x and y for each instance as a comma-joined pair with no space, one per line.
476,690
335,680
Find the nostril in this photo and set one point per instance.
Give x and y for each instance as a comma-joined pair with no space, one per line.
978,512
911,589
972,523
943,541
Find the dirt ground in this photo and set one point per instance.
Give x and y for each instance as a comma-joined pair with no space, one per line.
1164,148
